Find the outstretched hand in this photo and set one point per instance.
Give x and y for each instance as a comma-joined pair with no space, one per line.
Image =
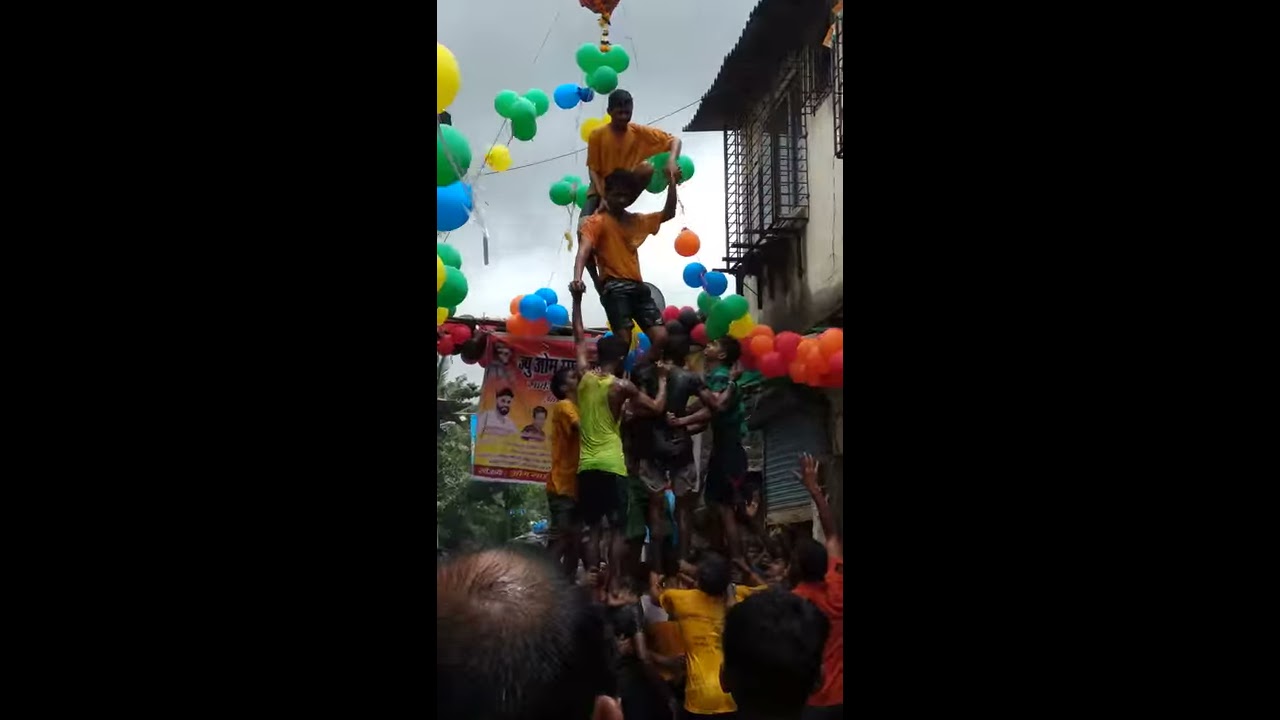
809,472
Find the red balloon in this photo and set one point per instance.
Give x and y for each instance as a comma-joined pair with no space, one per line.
686,309
786,343
797,371
760,345
670,313
773,365
749,362
699,334
835,364
460,333
444,346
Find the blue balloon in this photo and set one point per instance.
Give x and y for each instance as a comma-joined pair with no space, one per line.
586,94
547,294
557,315
693,273
453,206
566,96
715,283
630,362
533,307
644,341
608,333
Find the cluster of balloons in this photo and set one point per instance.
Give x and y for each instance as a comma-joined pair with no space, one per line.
568,95
725,316
451,284
569,189
640,344
658,183
523,111
713,283
453,206
814,361
536,313
602,67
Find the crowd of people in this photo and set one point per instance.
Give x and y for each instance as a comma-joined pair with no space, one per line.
624,615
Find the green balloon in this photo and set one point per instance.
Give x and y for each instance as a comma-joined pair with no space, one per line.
453,311
731,307
603,80
616,58
571,179
581,198
562,193
589,57
524,129
716,329
449,255
459,149
523,109
454,290
686,168
541,102
707,302
504,102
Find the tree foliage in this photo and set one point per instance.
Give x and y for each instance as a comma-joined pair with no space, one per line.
468,512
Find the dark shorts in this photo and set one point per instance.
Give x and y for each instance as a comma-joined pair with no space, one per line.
726,474
627,300
656,476
827,712
686,715
563,511
637,508
601,494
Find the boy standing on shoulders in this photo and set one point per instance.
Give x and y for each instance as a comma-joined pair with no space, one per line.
614,236
602,468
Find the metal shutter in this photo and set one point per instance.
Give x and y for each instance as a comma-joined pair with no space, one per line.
785,437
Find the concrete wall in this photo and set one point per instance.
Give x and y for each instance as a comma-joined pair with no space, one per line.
810,299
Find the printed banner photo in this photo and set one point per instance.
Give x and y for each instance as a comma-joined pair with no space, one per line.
511,427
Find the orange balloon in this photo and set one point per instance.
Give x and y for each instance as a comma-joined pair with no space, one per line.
760,330
808,348
760,345
814,371
515,304
797,371
687,243
515,324
542,327
831,341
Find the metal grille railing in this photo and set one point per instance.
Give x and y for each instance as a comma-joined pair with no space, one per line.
837,46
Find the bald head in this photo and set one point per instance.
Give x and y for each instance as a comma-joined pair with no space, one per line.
515,641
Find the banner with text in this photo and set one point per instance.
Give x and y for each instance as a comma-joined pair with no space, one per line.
513,421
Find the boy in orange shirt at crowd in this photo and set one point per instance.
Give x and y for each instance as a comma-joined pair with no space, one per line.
614,235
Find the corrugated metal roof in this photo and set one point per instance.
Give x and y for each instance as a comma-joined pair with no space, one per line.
774,28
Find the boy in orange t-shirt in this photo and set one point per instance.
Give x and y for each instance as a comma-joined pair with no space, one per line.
614,236
562,486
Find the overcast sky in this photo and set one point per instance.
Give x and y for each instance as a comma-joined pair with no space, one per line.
676,49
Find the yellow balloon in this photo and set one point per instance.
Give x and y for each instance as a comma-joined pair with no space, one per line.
448,78
498,158
439,273
588,126
442,314
739,328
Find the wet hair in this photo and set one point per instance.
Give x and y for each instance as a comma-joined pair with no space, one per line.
624,182
713,574
611,349
677,349
731,349
515,641
539,409
773,645
561,377
506,392
810,560
618,98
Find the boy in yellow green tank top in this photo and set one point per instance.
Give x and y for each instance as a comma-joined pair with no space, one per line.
602,468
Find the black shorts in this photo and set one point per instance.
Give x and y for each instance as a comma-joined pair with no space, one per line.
563,511
726,473
601,494
825,712
627,300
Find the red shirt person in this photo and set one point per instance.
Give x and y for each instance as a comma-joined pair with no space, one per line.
821,581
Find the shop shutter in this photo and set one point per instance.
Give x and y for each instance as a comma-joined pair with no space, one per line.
802,430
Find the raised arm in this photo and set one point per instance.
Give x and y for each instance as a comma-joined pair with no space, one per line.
809,478
579,343
586,243
669,210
